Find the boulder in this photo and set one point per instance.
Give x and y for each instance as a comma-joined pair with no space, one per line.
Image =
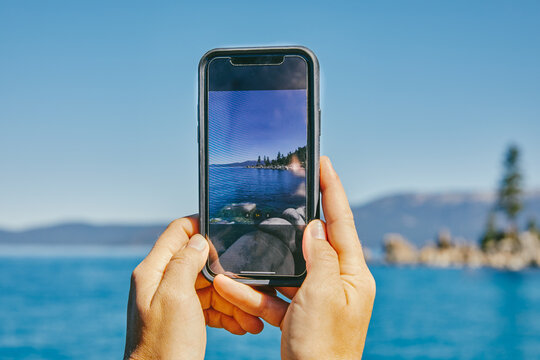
399,251
281,229
293,216
258,251
302,212
239,210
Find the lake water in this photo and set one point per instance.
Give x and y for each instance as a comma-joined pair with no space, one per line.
74,308
271,190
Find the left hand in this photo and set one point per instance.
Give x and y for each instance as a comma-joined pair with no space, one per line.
170,302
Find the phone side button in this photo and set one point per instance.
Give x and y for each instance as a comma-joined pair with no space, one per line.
320,122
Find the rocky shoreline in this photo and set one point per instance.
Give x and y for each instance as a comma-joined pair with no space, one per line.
273,167
510,253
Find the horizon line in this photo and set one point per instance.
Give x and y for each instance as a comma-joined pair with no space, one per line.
483,195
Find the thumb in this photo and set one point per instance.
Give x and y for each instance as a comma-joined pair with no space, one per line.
185,265
321,258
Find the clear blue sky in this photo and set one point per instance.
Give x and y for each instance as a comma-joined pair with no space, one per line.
98,98
246,125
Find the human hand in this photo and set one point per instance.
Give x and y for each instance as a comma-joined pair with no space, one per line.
170,301
329,314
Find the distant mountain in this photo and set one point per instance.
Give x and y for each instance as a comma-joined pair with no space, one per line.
419,217
84,234
237,164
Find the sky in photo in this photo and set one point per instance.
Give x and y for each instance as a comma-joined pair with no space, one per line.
244,125
98,99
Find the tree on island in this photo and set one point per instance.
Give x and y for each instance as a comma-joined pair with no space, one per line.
510,191
491,233
509,199
532,227
259,161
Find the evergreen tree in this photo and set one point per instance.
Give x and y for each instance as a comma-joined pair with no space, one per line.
491,234
532,227
510,189
259,161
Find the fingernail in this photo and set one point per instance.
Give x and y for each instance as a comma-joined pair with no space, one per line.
197,242
316,230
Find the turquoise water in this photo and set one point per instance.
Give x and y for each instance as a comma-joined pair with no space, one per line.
74,308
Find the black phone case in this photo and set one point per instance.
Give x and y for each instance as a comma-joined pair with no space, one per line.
312,173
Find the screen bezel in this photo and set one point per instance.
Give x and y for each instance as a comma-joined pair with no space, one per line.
312,154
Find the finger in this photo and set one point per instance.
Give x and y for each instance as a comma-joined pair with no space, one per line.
248,322
184,267
270,308
218,320
267,290
150,270
201,282
174,238
322,263
340,225
209,298
288,292
213,259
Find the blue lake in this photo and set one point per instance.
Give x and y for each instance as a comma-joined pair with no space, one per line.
74,308
271,190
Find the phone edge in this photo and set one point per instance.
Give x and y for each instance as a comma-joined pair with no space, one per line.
201,136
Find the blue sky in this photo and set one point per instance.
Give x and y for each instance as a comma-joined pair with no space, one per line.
98,98
243,125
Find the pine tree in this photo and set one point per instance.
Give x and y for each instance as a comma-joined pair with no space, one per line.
532,227
510,189
259,161
491,234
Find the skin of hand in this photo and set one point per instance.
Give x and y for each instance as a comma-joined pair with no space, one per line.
170,302
329,314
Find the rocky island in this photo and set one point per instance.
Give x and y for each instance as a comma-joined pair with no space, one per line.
511,252
509,249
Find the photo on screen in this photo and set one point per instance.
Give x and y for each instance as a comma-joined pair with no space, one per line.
257,180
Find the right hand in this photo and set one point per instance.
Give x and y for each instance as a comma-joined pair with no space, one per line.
329,314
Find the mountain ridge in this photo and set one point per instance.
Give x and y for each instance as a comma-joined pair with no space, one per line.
236,164
417,216
420,216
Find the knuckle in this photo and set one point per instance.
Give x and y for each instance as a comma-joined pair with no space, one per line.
137,274
326,254
344,220
142,308
177,224
214,301
181,260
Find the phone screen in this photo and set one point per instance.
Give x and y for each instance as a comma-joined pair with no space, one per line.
256,151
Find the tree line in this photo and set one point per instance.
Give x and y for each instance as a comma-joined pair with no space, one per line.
282,159
509,202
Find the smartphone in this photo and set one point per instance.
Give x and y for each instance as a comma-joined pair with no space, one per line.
259,129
